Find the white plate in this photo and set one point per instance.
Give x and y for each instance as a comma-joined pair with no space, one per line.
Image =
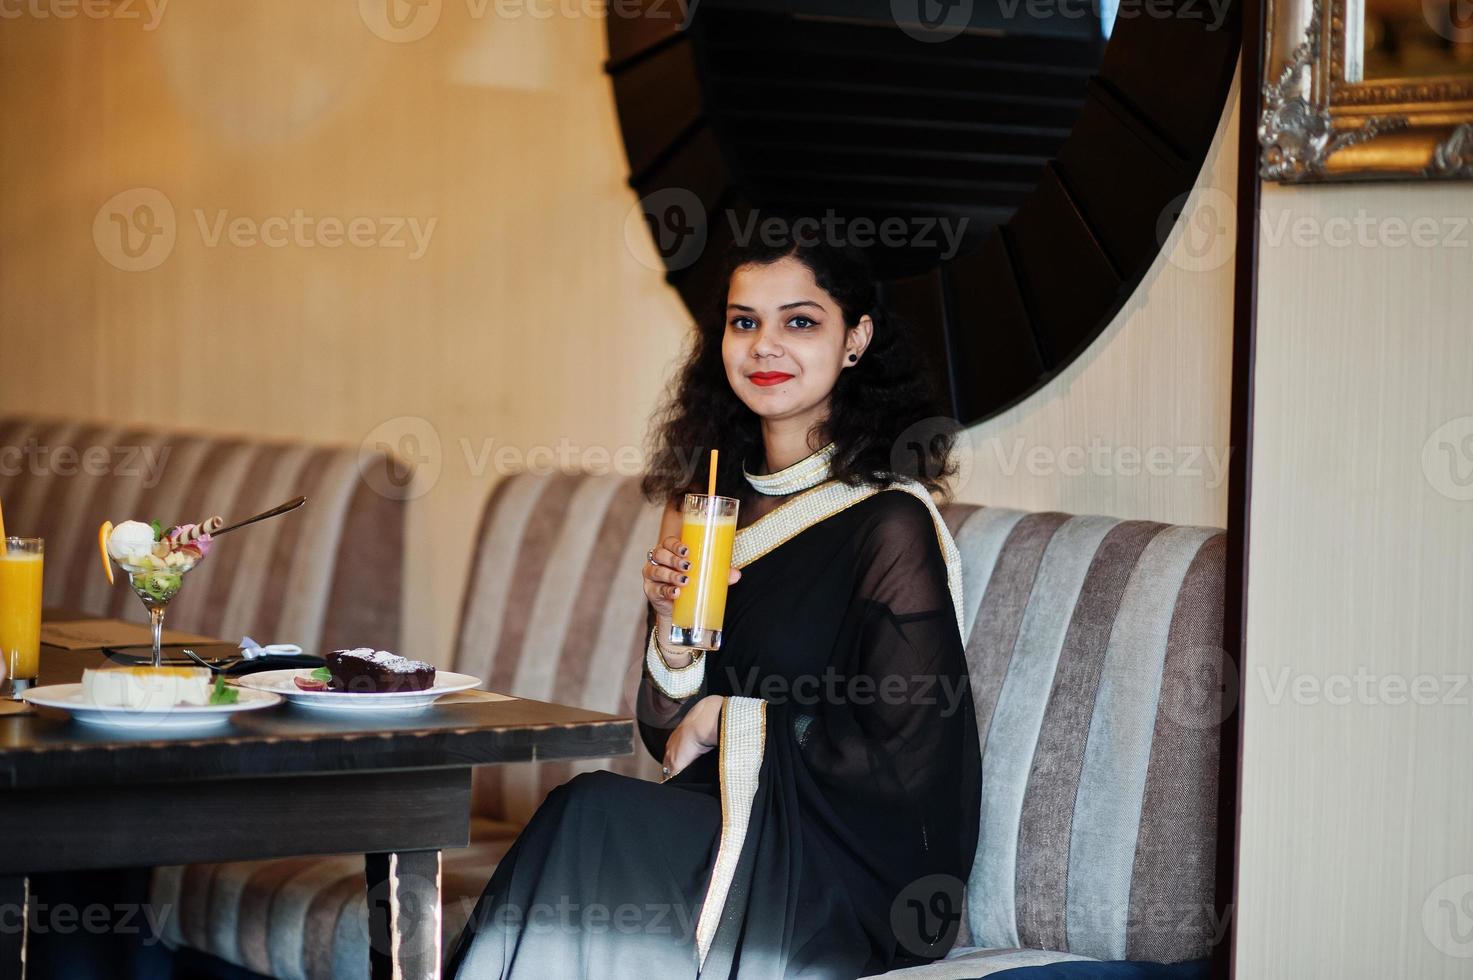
282,682
68,698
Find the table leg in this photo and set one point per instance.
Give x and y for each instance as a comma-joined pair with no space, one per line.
14,893
404,915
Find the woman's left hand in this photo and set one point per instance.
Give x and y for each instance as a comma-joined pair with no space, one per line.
695,735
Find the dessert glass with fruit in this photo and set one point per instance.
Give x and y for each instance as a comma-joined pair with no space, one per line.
156,562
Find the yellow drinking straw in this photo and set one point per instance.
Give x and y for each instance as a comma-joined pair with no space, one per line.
711,485
4,545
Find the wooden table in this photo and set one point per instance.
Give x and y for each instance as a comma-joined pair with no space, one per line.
397,790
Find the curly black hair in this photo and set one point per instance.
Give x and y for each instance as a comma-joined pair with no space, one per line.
874,409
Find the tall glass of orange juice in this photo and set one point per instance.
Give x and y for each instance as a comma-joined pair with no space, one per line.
20,612
708,529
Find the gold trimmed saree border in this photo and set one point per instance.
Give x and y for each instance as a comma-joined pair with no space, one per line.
676,683
743,740
797,514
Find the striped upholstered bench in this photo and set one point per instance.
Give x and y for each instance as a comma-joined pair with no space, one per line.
327,575
1094,647
1100,762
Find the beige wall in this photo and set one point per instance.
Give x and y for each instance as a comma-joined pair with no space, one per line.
526,320
530,320
1357,845
1137,427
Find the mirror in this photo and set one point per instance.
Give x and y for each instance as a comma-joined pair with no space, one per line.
1368,89
1030,157
1412,39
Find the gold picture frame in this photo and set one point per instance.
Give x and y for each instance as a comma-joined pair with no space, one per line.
1318,125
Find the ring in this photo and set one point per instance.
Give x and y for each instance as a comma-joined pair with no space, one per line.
651,557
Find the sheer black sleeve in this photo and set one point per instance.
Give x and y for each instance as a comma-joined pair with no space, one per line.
657,714
897,743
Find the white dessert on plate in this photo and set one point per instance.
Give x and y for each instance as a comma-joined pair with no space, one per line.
146,688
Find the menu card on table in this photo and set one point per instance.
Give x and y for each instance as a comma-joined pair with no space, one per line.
90,634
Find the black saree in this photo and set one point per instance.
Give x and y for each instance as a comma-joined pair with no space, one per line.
830,833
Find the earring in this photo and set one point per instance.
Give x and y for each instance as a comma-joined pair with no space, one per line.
853,358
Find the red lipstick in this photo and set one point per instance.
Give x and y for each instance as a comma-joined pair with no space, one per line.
766,378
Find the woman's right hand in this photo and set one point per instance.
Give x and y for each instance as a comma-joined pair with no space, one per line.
667,572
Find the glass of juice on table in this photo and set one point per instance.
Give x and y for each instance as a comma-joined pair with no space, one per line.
708,529
20,612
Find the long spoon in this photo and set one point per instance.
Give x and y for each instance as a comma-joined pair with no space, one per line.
290,505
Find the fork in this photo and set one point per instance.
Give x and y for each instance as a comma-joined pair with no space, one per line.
218,666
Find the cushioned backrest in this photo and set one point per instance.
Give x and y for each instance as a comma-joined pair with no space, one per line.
326,575
554,610
1088,643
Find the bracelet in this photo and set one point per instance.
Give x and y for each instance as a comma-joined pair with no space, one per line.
676,683
695,655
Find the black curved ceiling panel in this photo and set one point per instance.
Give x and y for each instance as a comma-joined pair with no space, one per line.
666,86
922,301
636,37
693,163
1050,234
1176,69
699,283
1050,156
1117,170
998,359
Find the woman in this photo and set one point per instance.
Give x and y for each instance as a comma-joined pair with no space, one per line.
830,832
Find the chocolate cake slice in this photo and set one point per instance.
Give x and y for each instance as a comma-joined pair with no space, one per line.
364,670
